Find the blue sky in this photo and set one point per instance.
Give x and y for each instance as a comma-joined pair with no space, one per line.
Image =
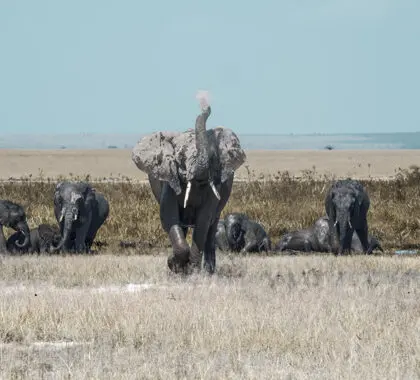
301,66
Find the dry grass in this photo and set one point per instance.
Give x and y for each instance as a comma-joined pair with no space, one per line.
281,204
125,316
258,318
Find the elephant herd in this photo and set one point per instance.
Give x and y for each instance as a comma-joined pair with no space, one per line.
191,175
80,211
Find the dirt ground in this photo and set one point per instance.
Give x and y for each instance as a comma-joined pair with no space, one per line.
16,163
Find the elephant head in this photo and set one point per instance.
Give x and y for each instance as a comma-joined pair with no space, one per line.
73,202
193,158
13,215
347,204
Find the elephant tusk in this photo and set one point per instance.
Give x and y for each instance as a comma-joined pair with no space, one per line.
187,193
350,225
335,223
75,217
216,193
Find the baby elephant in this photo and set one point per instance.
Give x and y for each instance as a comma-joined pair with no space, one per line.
13,215
240,234
42,239
317,239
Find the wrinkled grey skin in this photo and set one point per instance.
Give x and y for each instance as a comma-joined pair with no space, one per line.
316,239
240,234
199,157
347,204
12,215
42,239
80,212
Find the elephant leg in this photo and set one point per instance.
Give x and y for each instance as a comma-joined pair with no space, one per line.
169,216
250,246
2,240
210,249
80,240
199,240
362,233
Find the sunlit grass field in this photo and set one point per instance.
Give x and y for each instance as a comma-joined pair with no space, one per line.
120,314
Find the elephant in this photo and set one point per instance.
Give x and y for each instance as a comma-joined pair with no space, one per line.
316,239
240,234
42,239
191,175
347,204
13,215
80,212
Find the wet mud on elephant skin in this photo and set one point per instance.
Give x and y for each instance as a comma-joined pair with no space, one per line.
42,240
191,176
80,212
316,239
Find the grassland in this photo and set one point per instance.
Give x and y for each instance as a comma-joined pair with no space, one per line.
122,315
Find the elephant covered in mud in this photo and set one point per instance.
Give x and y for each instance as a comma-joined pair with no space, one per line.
347,204
13,215
42,240
80,212
191,176
240,234
316,239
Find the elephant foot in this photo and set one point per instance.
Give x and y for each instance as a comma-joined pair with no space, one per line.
178,265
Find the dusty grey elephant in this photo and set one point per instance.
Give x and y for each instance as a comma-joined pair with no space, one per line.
191,176
240,234
80,212
316,239
13,215
42,240
347,204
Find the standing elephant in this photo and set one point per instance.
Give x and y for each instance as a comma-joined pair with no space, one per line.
316,239
242,235
13,215
191,176
347,204
80,212
42,239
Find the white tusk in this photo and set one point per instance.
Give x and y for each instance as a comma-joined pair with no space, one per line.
216,193
350,225
335,223
187,193
61,216
75,217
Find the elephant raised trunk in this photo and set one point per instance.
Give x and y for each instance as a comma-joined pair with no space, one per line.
201,169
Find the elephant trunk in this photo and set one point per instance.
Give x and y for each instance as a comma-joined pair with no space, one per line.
67,220
202,164
345,232
24,229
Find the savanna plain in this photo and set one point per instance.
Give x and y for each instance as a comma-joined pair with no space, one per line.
120,314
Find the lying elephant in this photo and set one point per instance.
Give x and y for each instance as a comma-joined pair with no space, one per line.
240,234
316,239
42,239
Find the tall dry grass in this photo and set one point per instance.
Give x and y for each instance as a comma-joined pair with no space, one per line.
318,317
281,203
303,317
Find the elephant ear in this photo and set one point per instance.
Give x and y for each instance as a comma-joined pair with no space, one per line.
231,155
155,155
